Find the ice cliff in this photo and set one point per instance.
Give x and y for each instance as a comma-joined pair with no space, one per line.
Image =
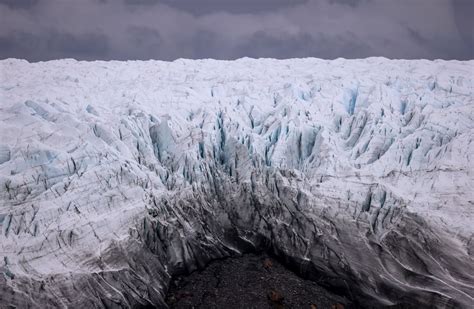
358,174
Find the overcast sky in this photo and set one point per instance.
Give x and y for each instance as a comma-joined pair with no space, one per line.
228,29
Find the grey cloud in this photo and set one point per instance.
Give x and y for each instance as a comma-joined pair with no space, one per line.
19,4
463,18
262,44
141,2
22,44
142,36
145,42
203,7
444,46
229,29
87,44
207,44
351,3
49,46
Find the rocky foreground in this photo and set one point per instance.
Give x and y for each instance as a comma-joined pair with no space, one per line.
250,281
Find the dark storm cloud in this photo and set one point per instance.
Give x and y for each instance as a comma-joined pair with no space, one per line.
228,29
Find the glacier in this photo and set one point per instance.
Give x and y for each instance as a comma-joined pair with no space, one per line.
114,176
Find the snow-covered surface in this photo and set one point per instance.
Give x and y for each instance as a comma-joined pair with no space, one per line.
99,160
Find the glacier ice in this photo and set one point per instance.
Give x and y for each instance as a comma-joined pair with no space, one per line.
116,175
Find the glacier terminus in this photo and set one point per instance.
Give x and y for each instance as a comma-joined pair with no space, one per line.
115,176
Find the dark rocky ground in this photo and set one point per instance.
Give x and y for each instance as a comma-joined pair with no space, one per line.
250,281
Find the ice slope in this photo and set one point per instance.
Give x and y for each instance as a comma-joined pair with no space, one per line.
115,175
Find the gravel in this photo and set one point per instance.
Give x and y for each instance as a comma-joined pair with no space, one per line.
249,281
